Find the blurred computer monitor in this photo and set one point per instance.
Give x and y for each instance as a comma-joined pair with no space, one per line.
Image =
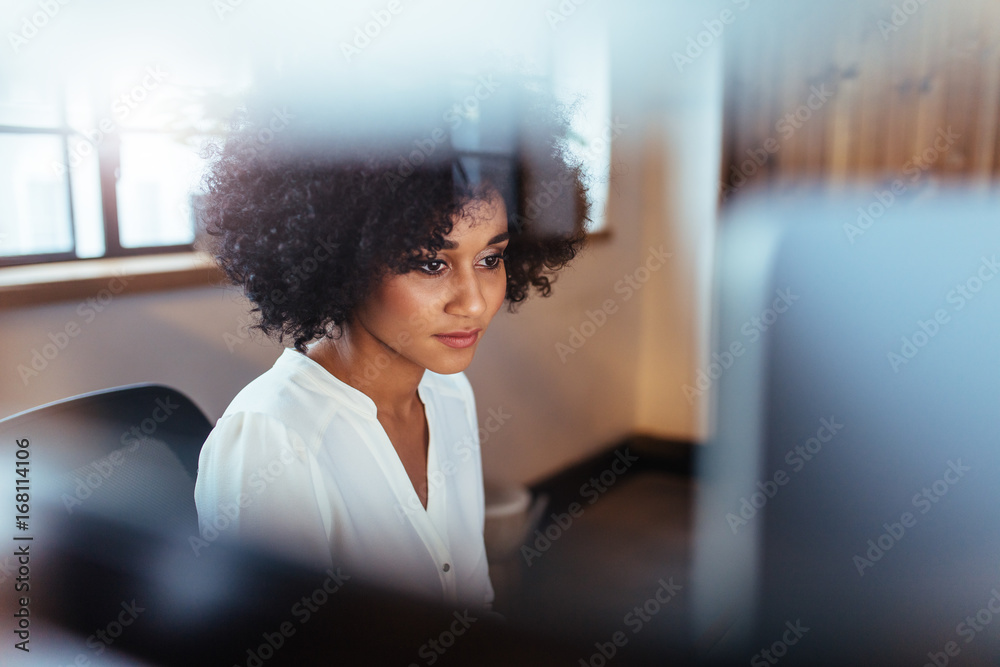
849,496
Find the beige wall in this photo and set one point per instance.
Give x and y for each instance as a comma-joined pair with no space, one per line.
175,338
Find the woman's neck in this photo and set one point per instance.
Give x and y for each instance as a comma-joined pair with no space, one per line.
373,368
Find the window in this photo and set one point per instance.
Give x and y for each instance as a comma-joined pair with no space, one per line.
100,168
581,76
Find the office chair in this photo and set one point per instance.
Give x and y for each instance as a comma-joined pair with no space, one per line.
127,454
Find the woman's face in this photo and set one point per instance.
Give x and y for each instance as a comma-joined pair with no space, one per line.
457,292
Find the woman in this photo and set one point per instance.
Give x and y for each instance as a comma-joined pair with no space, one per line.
359,448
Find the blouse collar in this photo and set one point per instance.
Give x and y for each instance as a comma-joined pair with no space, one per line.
330,384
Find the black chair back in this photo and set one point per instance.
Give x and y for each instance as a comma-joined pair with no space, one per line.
127,454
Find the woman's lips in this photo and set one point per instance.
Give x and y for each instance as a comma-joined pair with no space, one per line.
454,339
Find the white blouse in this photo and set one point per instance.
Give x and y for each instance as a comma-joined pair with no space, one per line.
300,464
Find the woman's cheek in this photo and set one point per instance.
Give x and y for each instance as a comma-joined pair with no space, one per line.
417,322
500,287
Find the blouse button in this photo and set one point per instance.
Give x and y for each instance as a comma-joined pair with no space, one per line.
447,566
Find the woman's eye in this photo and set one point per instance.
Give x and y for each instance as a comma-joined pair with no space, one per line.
494,261
431,266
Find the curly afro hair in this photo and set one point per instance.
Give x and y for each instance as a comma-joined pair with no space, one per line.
308,212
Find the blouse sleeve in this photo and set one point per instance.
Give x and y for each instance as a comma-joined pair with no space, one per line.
255,485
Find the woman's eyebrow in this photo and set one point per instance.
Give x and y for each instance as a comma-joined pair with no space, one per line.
450,245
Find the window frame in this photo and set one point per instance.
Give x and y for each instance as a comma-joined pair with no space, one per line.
108,163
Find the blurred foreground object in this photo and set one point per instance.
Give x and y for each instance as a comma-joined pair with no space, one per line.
848,498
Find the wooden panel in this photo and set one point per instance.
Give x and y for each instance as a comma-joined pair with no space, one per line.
902,74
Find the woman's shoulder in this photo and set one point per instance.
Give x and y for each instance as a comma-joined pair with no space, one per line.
284,392
251,431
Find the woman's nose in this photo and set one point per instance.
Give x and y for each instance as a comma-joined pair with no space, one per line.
466,295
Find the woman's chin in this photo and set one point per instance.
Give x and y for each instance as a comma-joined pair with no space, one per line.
455,364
